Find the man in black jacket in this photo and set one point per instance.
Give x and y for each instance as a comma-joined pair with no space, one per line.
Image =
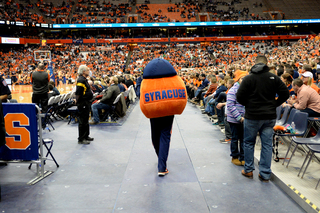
106,101
257,93
40,80
84,96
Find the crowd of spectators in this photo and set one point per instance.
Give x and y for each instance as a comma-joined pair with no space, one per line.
96,12
15,11
219,59
52,11
178,12
88,11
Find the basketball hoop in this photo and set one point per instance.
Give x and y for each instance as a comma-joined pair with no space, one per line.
42,55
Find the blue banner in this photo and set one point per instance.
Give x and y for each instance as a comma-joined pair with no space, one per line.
190,24
22,132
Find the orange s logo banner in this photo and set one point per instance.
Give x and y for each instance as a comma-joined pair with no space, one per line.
18,136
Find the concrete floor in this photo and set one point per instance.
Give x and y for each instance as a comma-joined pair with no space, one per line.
117,172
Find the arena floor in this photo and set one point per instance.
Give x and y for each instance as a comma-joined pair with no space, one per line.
117,172
23,93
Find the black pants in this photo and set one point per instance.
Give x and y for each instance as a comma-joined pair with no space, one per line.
41,100
83,128
161,134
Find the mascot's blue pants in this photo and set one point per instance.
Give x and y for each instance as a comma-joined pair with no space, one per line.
161,134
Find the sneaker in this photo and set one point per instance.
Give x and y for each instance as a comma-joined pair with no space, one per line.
163,173
215,123
221,124
84,142
236,162
225,140
89,139
214,116
93,123
248,174
262,179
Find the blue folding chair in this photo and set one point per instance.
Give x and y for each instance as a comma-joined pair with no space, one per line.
276,134
284,116
47,141
312,150
301,124
312,143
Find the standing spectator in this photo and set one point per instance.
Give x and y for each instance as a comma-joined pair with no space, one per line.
235,118
40,81
83,101
257,93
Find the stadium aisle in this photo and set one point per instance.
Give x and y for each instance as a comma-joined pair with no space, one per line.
118,173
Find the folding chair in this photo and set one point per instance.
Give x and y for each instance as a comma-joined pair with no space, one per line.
276,134
47,141
312,150
112,112
301,121
47,119
73,113
284,116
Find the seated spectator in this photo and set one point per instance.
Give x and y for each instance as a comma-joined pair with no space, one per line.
212,88
54,89
97,87
128,81
122,82
211,104
106,101
121,85
287,80
308,100
201,88
51,93
307,80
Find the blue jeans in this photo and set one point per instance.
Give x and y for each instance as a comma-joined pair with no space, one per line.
265,129
95,110
197,93
227,128
236,145
205,100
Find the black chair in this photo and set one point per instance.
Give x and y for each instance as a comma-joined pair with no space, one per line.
45,142
73,113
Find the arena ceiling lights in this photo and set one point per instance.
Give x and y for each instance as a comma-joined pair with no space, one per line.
189,24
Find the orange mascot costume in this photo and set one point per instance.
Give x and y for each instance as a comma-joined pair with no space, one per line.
163,94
